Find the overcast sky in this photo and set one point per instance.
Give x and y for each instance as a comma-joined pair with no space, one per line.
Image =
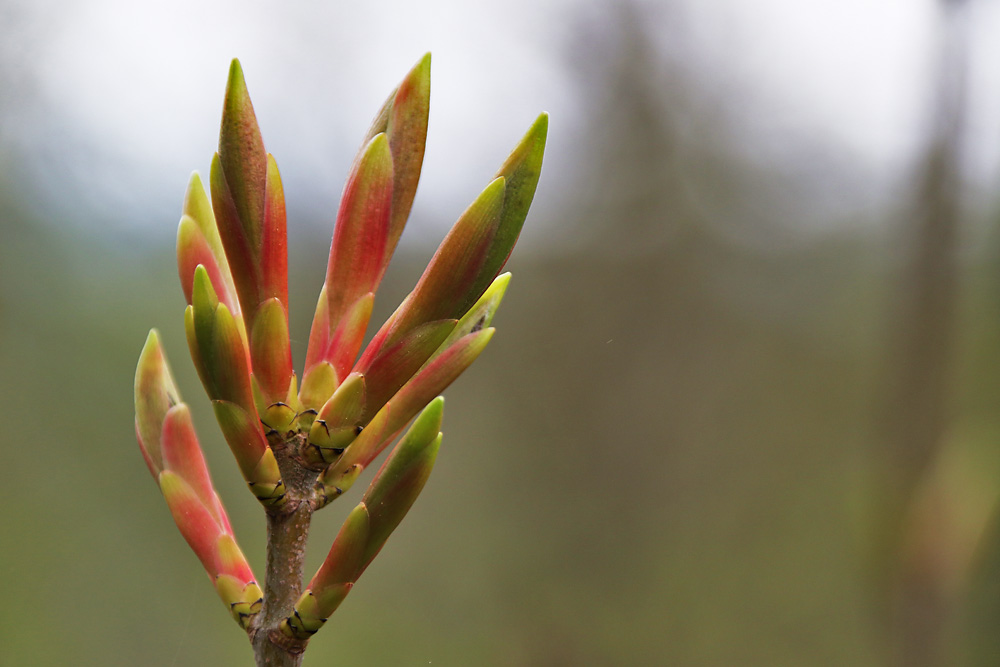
136,87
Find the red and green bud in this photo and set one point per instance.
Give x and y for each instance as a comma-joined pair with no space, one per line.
520,172
403,118
408,401
198,243
215,343
472,254
332,351
239,180
368,526
333,581
271,354
442,291
361,231
374,208
465,264
356,255
249,204
155,394
220,358
243,433
214,546
402,478
338,422
171,450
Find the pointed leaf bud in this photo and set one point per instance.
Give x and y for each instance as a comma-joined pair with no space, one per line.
520,171
369,525
265,481
178,465
214,546
443,291
405,122
346,555
338,422
362,225
249,204
402,477
270,352
155,394
198,242
274,246
239,251
333,581
411,399
227,361
357,252
243,161
318,385
198,207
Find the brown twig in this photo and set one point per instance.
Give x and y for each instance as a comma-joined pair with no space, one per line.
287,535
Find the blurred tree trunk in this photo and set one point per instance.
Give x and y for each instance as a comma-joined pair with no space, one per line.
917,412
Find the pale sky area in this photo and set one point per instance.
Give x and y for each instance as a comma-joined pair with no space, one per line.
137,86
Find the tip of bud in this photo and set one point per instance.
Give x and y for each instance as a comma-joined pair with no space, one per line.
541,123
152,340
235,71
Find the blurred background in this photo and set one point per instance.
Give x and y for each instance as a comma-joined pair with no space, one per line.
742,407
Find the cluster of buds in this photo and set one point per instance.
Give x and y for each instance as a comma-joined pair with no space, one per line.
300,445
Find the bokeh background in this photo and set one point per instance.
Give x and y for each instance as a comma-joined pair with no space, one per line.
742,407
